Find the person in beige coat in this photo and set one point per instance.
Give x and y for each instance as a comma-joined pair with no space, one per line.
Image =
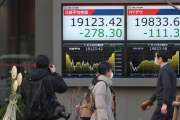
102,93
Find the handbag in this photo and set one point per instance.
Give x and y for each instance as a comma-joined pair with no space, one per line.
146,104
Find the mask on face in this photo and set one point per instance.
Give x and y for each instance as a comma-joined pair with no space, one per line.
156,62
111,76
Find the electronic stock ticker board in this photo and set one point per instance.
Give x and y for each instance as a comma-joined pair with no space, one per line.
95,33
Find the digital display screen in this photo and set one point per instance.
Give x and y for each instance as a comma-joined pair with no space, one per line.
153,22
93,22
120,35
82,59
141,58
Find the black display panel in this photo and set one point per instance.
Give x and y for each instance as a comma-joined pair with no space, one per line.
141,58
82,59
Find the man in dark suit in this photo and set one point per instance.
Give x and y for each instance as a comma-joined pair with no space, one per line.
165,92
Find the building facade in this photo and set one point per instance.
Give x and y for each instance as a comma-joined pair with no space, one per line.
32,27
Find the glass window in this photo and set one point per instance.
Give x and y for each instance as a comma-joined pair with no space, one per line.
17,41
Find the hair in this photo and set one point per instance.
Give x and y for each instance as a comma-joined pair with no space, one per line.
163,55
114,99
42,61
103,68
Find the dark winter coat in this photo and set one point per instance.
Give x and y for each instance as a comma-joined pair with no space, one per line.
57,83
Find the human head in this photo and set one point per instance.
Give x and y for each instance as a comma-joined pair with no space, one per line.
105,69
42,61
161,57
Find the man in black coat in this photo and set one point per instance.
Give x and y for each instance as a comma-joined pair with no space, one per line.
41,73
165,92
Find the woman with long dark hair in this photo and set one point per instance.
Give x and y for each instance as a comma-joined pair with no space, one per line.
103,93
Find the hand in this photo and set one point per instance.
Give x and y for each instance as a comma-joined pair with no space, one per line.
164,109
53,69
147,106
112,95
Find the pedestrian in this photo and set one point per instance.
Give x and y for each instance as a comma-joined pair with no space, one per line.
102,93
165,92
39,89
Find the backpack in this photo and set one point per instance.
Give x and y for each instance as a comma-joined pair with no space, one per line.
36,99
87,105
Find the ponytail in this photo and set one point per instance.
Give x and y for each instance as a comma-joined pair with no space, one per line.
95,79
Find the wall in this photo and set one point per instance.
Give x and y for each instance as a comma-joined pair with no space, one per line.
131,93
44,28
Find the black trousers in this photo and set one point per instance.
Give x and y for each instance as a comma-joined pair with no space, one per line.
159,116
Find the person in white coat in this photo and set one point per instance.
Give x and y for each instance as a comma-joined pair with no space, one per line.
102,93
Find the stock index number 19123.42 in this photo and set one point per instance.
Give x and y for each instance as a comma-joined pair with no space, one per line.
96,22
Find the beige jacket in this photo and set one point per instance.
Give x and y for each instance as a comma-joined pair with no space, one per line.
103,100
